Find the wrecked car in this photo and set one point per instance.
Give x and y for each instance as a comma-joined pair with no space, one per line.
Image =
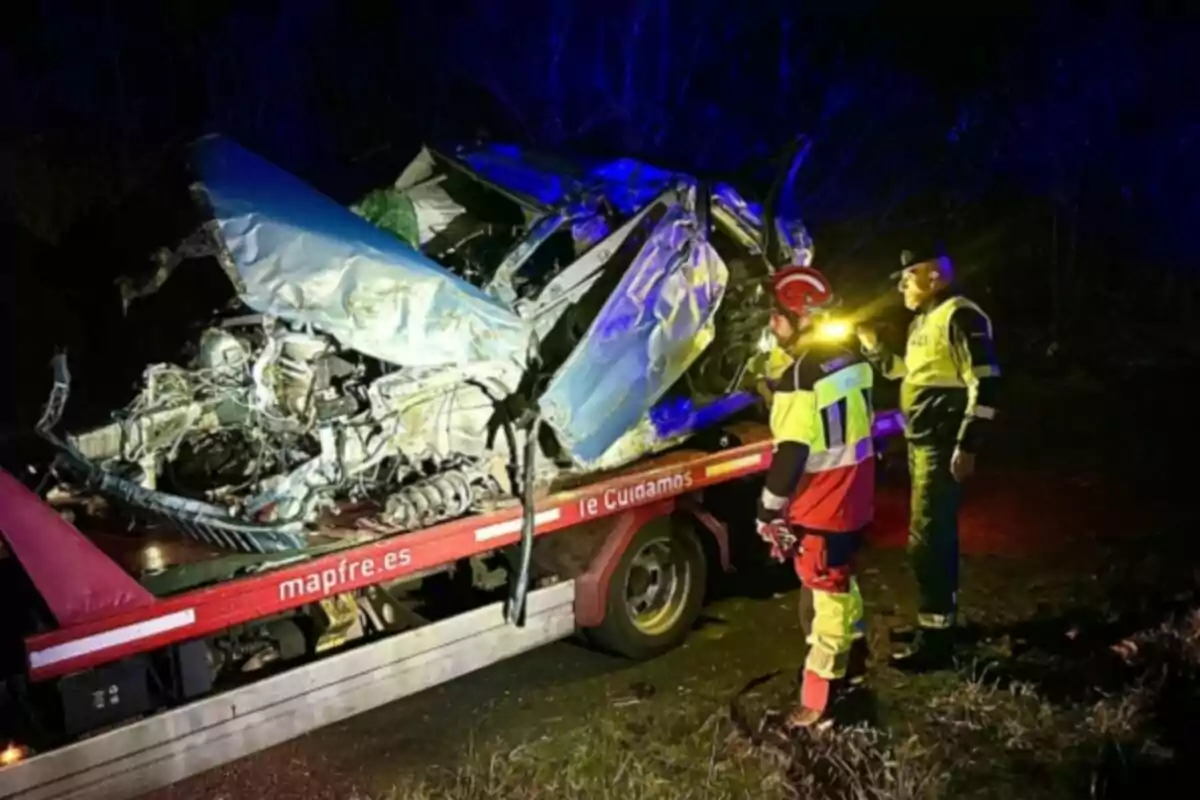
400,356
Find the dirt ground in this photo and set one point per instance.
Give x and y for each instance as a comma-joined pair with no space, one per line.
1076,678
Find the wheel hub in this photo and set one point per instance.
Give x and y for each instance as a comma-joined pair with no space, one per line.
656,586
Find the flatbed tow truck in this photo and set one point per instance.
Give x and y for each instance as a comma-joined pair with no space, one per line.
127,694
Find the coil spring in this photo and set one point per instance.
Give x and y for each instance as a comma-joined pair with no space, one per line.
443,497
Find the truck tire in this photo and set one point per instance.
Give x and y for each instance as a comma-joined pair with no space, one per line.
655,593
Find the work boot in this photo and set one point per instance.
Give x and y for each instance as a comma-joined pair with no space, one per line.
930,650
816,696
803,717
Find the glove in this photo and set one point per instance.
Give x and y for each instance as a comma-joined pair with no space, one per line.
868,338
778,534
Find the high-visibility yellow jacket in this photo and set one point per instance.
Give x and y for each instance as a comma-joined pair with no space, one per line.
951,377
822,473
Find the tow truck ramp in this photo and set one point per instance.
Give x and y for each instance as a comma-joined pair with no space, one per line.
168,747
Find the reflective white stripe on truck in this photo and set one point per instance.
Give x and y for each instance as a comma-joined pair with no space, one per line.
117,636
514,525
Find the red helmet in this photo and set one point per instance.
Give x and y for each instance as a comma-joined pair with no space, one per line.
799,290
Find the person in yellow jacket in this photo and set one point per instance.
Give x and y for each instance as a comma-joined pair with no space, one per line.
948,398
819,492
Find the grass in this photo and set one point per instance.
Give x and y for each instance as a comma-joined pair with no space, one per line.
978,737
602,759
717,761
1078,712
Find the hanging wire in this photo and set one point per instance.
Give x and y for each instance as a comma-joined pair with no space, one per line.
519,589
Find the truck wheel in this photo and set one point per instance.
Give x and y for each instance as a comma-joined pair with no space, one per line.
655,592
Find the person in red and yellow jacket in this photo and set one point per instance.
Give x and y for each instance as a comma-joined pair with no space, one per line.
820,489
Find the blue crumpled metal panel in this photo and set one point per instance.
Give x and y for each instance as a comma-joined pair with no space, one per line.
679,416
304,258
627,184
655,324
794,232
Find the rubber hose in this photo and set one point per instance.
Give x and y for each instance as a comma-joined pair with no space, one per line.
515,613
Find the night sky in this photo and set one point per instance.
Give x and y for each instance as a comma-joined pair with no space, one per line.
1052,145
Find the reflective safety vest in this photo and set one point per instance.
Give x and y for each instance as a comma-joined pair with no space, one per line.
950,374
777,361
931,358
823,401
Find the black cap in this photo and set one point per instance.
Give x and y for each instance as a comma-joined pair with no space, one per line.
919,254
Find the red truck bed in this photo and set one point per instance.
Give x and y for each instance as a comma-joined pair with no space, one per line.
120,618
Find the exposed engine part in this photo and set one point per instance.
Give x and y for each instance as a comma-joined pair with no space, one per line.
445,496
224,354
202,521
296,370
266,421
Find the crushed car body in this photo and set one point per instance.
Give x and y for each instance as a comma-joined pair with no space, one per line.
400,355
